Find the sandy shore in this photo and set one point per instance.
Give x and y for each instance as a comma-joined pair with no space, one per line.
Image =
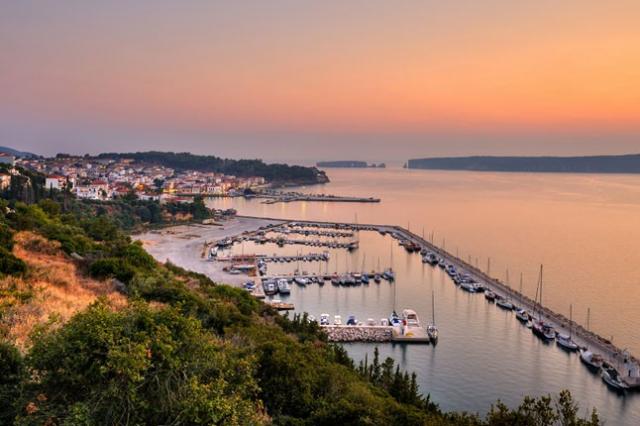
183,245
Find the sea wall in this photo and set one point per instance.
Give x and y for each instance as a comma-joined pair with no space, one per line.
360,333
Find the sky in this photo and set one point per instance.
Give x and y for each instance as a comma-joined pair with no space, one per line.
300,81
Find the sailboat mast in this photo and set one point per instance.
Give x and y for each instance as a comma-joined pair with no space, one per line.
570,319
433,308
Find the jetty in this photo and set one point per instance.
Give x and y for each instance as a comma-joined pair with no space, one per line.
372,334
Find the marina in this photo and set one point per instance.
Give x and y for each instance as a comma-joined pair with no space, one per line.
473,280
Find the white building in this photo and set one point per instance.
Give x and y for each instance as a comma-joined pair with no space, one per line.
7,159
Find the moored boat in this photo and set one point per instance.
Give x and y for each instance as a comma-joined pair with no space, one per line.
283,286
566,342
612,378
593,361
489,295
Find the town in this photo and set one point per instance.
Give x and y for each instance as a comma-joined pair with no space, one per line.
97,178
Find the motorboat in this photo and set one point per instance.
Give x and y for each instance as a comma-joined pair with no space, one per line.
566,342
283,286
593,361
489,295
324,319
612,378
352,320
377,278
371,322
301,281
364,278
410,318
269,287
337,320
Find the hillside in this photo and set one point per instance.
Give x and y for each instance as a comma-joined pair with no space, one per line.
592,164
54,289
16,153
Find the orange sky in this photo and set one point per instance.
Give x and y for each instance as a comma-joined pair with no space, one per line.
350,67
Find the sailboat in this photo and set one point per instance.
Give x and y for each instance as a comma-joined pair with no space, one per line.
540,328
376,277
565,341
432,329
521,314
389,275
364,277
394,319
505,302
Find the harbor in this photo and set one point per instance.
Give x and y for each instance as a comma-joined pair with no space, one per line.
473,280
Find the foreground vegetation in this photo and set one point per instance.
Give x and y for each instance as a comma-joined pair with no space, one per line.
185,351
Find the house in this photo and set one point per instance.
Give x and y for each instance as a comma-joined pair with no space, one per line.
55,182
5,181
96,190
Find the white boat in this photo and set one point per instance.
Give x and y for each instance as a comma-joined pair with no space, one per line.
389,275
593,361
410,318
283,286
371,322
384,322
337,320
324,319
301,280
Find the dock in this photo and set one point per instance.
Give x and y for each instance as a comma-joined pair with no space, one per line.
626,363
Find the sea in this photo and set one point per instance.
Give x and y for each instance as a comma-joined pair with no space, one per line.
584,229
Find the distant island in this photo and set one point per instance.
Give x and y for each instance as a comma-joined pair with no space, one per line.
587,164
348,164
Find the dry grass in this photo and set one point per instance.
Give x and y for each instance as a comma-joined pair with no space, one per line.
54,289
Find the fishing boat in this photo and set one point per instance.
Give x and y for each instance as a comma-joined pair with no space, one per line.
593,361
612,378
283,286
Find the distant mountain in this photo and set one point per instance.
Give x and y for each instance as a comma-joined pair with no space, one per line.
590,164
16,153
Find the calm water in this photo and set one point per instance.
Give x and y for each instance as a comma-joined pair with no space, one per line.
584,228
